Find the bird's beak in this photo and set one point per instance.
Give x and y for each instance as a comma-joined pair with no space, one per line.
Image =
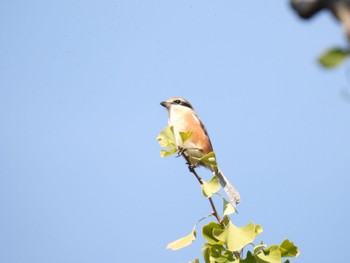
165,104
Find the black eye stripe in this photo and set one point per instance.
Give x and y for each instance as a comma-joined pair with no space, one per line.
186,104
183,103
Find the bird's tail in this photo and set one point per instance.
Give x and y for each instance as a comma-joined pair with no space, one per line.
230,190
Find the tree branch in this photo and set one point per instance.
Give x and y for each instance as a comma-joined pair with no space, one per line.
192,170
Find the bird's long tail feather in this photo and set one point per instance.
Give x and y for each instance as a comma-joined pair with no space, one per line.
230,190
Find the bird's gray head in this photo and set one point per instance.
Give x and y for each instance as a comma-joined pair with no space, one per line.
176,101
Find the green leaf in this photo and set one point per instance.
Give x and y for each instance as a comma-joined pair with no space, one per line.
270,255
207,232
219,254
185,136
183,242
165,153
209,159
236,237
271,248
215,251
194,261
230,257
225,220
228,208
288,249
249,259
333,57
206,254
259,248
166,139
222,259
258,229
211,187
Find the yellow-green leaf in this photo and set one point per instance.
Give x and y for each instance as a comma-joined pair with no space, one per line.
236,237
273,256
225,220
211,187
185,135
333,57
250,258
209,159
194,261
258,248
166,137
228,208
221,259
258,229
183,242
165,153
207,232
288,249
206,254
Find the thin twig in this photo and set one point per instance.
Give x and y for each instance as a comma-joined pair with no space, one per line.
237,255
192,170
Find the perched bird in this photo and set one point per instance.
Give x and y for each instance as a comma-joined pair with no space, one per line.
183,118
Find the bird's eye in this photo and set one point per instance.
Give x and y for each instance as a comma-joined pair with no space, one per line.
177,101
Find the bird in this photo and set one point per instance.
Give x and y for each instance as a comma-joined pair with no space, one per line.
183,118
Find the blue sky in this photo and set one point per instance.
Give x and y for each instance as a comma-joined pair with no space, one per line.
81,81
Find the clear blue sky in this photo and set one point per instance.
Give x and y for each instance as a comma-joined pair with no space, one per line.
81,179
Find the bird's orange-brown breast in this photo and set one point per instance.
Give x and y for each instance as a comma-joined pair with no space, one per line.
199,136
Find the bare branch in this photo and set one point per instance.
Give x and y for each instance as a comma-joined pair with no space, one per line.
192,170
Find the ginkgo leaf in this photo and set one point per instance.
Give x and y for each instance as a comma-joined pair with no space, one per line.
185,136
258,229
221,259
206,254
273,256
259,248
250,258
207,232
225,220
165,153
228,208
236,237
288,249
211,187
183,242
166,137
209,159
